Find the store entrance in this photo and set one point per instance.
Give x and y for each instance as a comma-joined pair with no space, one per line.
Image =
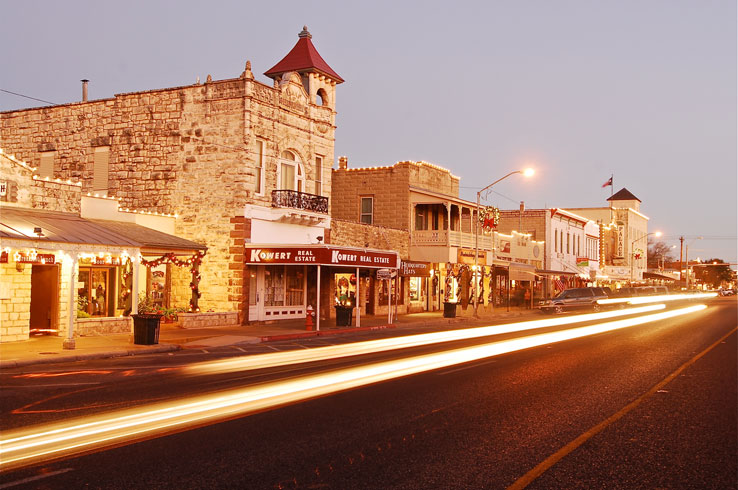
277,292
44,298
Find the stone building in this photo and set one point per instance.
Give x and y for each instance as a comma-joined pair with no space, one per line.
446,258
624,236
568,246
70,263
237,161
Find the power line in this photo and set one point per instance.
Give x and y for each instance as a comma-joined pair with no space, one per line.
28,97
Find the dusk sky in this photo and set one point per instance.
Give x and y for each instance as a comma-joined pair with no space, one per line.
579,90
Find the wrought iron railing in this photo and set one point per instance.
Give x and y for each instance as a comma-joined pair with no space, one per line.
299,200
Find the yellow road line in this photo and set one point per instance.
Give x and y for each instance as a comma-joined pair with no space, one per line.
542,467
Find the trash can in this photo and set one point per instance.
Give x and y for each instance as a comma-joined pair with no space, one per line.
449,310
343,315
146,329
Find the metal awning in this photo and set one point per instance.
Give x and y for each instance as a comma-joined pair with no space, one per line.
70,228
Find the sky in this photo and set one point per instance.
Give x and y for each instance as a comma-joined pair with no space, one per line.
580,90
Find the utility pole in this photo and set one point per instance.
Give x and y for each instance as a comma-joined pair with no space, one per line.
681,265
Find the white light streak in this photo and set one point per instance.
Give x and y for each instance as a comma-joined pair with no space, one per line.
24,446
358,348
640,300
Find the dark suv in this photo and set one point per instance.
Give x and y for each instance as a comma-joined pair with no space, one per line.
575,299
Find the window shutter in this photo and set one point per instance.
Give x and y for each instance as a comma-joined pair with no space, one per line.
46,166
100,169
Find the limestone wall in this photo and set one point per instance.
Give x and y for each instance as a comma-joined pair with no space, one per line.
189,151
390,189
350,234
15,302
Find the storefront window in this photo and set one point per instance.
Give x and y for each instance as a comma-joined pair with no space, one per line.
416,284
345,289
274,285
158,286
252,288
93,297
295,290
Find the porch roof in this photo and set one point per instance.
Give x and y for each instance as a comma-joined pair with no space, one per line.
20,224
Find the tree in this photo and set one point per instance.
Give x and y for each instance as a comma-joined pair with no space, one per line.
658,252
713,275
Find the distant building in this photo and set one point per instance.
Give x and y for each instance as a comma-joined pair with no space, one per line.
623,235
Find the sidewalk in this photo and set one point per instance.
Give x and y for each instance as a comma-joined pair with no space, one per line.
48,349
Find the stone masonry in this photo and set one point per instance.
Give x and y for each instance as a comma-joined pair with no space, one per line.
187,150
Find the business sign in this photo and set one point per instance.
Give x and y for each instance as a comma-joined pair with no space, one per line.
31,258
582,262
466,256
383,274
415,269
320,256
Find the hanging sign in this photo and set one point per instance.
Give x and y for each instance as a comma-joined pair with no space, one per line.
415,269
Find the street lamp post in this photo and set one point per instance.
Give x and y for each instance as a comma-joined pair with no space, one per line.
528,172
686,256
632,252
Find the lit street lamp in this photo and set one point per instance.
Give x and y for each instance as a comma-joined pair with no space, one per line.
528,172
632,251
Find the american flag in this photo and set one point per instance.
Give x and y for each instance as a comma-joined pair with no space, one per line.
559,284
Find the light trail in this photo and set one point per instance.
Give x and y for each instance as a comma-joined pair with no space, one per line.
275,359
25,446
641,300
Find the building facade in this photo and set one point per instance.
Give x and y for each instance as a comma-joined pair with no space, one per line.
623,236
452,257
237,161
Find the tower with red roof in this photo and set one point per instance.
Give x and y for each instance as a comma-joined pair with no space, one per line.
316,75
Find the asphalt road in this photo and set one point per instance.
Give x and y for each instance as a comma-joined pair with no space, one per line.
651,406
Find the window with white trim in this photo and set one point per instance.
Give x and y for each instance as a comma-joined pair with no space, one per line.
367,210
291,175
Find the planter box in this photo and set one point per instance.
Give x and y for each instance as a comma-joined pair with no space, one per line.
449,310
343,315
146,329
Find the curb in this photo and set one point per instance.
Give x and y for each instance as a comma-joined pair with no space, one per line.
92,355
324,333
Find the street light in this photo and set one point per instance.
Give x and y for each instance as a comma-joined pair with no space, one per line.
528,172
632,252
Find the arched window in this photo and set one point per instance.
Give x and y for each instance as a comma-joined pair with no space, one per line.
321,97
291,174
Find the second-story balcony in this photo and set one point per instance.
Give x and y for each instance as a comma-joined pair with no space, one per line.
450,238
299,200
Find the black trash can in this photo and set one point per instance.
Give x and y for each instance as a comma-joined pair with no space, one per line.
146,329
449,310
343,315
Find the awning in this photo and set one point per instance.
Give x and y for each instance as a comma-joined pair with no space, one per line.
547,272
150,239
653,275
320,254
521,272
70,228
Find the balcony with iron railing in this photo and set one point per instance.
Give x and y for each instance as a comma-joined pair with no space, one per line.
283,198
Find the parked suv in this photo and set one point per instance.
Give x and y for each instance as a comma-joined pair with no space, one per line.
574,299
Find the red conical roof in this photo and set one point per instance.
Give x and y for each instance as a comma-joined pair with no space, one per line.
303,58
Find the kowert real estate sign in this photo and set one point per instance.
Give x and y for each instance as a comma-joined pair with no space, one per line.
321,255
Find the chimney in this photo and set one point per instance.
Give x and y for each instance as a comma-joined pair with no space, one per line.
342,163
84,89
522,206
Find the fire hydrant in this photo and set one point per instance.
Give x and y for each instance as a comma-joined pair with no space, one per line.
309,318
